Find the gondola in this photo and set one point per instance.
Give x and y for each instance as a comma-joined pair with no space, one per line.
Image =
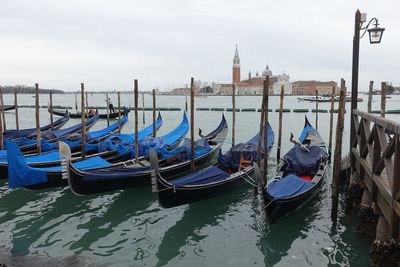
51,158
300,174
28,144
8,107
130,173
45,177
231,169
112,115
16,134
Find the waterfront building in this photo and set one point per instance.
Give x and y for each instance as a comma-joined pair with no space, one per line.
310,87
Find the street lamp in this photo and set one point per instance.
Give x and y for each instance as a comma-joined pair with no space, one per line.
375,36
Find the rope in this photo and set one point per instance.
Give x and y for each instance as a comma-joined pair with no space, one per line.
251,182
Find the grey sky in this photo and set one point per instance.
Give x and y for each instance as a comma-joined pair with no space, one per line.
107,44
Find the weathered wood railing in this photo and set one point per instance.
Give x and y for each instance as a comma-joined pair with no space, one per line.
375,167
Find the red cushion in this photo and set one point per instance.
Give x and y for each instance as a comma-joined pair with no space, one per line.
307,177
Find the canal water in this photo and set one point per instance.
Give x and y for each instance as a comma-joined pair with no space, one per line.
129,228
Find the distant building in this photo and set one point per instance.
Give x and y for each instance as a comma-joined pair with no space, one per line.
254,85
310,87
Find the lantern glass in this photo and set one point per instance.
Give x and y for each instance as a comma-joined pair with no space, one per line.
375,35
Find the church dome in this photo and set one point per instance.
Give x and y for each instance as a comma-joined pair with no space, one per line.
267,72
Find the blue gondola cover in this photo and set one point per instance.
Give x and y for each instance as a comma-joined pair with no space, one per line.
288,186
301,162
184,152
19,173
204,176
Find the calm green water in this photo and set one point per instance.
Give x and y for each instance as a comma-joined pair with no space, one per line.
129,228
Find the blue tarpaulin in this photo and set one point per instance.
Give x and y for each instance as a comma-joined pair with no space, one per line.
115,173
301,162
58,133
90,163
175,135
288,186
93,135
19,173
204,176
184,152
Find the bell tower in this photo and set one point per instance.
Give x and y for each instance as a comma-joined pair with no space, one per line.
236,67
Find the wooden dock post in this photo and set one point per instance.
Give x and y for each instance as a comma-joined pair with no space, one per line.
154,113
278,149
38,133
83,121
383,99
119,112
266,104
51,109
316,109
1,134
16,109
186,105
338,152
3,115
259,144
136,96
87,104
144,116
371,88
192,166
331,122
233,113
107,108
76,102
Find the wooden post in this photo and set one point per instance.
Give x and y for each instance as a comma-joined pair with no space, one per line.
2,109
316,109
233,113
144,119
108,113
1,134
154,113
136,95
371,87
192,166
76,102
16,109
260,130
278,149
51,109
38,134
338,152
87,104
186,105
83,132
119,112
383,99
331,121
266,89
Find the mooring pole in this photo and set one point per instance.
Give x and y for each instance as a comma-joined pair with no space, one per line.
266,105
186,105
76,102
1,133
38,134
51,108
371,88
119,111
144,119
154,113
316,109
192,166
259,144
87,104
16,109
338,152
2,109
383,99
83,132
233,113
278,149
136,95
107,108
331,121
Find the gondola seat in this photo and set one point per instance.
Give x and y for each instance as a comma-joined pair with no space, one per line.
288,186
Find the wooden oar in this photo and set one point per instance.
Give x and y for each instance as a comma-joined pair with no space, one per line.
298,143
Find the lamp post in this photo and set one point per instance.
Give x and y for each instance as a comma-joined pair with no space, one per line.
375,37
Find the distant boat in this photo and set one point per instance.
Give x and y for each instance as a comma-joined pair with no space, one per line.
325,99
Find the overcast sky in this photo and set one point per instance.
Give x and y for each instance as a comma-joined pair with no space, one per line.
106,44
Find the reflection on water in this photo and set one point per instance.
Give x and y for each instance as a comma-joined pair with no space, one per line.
128,228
